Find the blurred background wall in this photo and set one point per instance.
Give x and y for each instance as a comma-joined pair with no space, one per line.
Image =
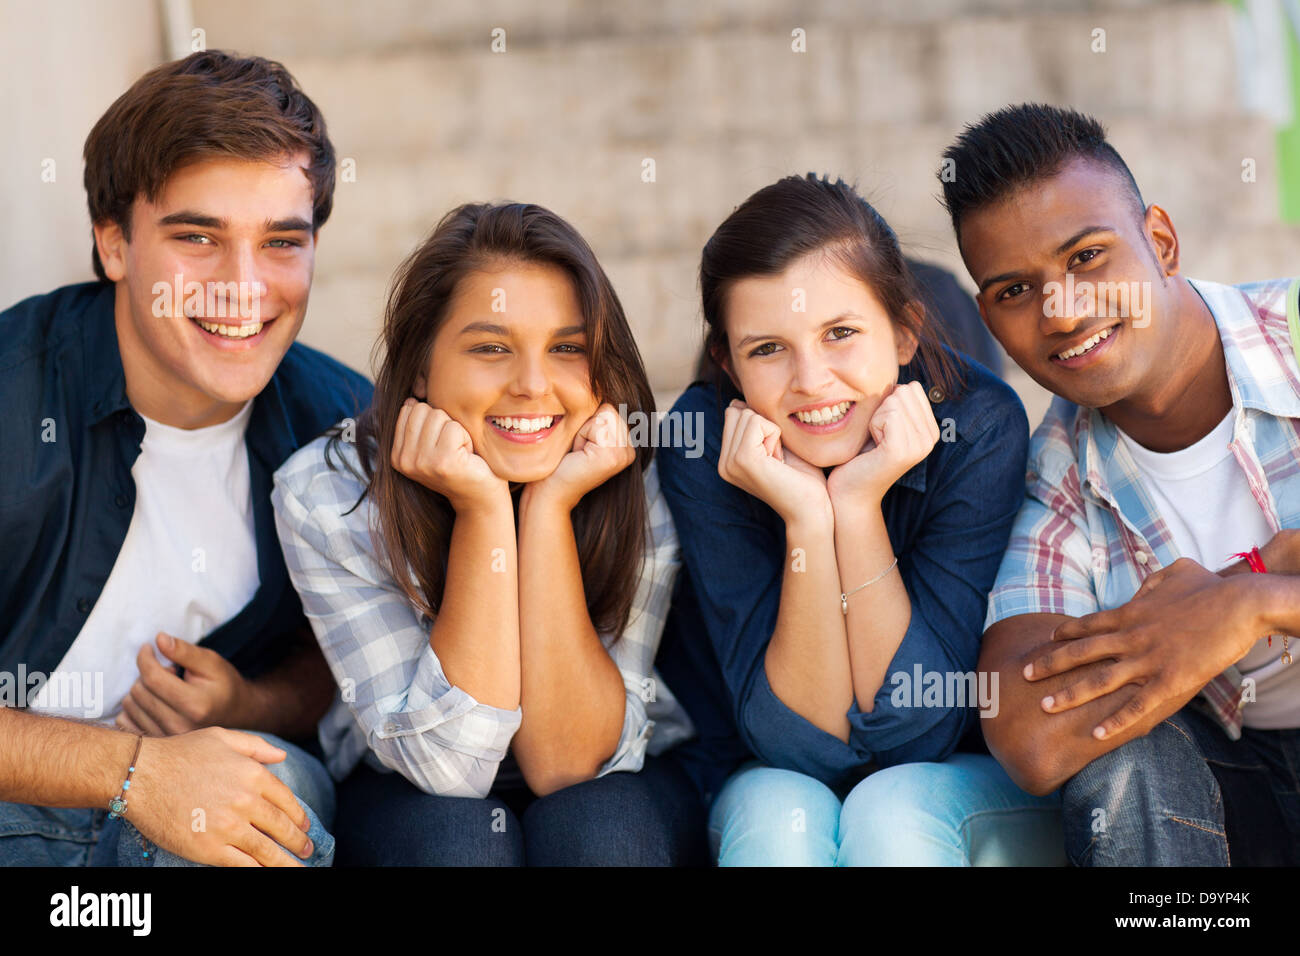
579,94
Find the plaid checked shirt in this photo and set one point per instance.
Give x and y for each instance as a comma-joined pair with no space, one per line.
395,706
1089,534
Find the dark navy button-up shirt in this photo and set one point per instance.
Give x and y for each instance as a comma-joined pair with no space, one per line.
948,518
69,436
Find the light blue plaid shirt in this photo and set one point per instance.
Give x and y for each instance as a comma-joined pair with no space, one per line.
395,706
1088,533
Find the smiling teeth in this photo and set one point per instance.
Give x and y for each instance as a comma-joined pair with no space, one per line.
230,331
523,426
824,416
1087,346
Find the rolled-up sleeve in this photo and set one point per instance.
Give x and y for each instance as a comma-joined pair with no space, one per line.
634,652
377,644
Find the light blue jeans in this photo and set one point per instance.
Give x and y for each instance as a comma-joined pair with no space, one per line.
58,836
964,811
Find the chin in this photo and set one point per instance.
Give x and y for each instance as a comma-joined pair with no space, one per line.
824,454
232,392
523,472
825,460
1099,396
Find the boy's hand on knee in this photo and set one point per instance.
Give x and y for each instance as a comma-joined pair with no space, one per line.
207,797
1185,625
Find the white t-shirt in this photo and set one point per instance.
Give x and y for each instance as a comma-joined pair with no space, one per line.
188,563
1202,494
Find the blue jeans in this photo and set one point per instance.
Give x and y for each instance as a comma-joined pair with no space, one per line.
964,811
1184,794
58,836
650,818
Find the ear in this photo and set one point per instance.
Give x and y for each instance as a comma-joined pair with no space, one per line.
111,243
421,387
722,358
904,339
1160,231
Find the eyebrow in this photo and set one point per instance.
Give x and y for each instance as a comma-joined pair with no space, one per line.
488,328
755,336
1060,250
188,217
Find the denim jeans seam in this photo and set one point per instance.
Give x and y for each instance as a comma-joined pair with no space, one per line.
1195,825
1186,736
1222,835
1218,791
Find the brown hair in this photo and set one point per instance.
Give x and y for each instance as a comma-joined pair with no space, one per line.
415,523
799,215
209,104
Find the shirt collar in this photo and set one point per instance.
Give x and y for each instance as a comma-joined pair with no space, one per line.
1257,374
1257,377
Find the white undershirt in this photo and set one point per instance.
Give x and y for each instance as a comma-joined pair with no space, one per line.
188,563
1202,494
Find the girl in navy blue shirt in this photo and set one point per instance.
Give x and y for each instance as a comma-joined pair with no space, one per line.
840,534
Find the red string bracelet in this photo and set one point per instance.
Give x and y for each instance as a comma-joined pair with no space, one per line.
1255,562
1253,559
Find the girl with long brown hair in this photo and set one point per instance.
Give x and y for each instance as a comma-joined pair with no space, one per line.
839,538
487,562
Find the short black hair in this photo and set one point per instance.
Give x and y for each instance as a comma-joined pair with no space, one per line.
1018,146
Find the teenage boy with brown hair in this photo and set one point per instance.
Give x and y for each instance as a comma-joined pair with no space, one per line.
145,415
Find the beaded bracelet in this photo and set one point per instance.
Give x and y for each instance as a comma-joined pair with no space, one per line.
117,806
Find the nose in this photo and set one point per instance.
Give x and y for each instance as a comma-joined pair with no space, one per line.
1067,304
529,379
251,290
812,373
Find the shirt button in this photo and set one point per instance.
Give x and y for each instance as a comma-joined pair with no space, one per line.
390,728
120,501
83,605
936,394
1141,557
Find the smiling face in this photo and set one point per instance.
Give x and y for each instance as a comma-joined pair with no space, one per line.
509,363
239,236
1073,283
819,373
